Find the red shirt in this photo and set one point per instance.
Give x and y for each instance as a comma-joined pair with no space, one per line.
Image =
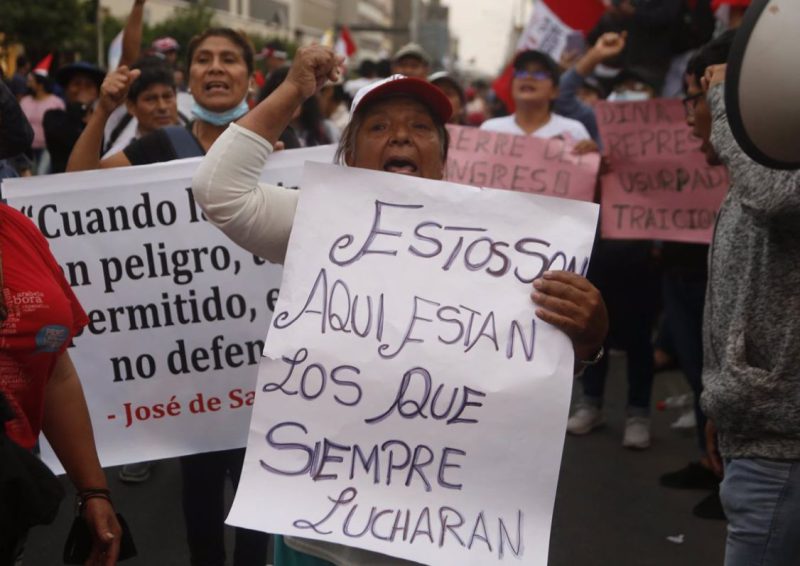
43,316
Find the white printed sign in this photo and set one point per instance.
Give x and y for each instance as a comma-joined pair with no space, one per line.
177,313
410,402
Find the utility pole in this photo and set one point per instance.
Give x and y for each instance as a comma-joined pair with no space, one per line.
414,23
101,55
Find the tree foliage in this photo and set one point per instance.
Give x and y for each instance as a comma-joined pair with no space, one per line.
70,27
43,26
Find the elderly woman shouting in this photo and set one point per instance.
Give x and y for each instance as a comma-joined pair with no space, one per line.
398,126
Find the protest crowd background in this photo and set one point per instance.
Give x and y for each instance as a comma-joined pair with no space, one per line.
159,98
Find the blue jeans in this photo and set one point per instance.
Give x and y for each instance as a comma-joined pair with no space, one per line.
761,499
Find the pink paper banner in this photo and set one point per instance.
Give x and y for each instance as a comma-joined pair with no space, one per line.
520,163
660,186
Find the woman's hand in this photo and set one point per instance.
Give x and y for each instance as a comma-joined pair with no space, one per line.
115,87
312,67
572,304
106,532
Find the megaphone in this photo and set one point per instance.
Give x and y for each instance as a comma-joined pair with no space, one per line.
762,84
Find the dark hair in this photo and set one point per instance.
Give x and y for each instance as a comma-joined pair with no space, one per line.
154,72
46,82
22,61
234,36
715,52
347,143
368,68
384,68
524,58
273,81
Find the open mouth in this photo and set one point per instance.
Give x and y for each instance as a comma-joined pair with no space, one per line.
401,165
527,88
216,86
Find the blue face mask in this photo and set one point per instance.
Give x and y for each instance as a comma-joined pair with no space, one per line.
220,118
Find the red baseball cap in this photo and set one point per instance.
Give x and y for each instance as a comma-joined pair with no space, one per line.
400,85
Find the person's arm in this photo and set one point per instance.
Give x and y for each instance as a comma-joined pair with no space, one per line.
16,134
573,305
86,153
771,195
67,426
132,35
259,217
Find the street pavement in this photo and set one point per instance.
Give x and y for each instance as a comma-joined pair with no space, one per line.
609,511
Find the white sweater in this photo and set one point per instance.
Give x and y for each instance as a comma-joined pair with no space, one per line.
259,218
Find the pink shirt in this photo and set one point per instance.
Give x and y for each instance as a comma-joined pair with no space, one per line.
34,110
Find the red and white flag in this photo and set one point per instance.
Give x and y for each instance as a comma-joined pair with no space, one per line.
557,25
345,45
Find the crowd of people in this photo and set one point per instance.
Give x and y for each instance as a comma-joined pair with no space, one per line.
663,304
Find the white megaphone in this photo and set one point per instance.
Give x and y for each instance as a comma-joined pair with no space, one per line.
762,83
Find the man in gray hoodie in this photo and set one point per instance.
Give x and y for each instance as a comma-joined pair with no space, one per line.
751,340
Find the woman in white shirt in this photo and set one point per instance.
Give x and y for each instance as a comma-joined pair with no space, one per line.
534,89
398,126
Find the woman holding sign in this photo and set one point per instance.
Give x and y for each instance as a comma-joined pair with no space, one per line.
398,126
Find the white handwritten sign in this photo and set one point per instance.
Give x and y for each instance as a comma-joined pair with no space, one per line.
412,404
177,313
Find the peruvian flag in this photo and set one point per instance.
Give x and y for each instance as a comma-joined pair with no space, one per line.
345,45
556,25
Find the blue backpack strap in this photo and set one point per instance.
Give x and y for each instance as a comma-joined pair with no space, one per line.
183,142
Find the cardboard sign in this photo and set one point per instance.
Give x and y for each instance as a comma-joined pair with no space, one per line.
660,186
520,163
410,401
177,313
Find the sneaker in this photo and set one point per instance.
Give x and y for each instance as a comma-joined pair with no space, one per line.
693,476
584,420
135,473
637,433
687,421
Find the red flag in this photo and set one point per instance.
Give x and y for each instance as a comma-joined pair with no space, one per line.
580,15
345,44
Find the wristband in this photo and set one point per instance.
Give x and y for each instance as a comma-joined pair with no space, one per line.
594,359
83,496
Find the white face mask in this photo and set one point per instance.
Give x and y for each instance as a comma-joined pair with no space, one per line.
628,96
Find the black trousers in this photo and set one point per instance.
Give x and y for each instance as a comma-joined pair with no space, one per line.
204,511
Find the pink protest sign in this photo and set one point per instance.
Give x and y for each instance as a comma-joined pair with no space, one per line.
660,186
520,163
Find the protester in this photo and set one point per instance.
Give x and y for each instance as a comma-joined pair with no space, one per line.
367,73
650,25
335,106
18,83
62,128
221,63
534,89
411,60
397,125
455,94
16,135
167,48
35,105
684,288
751,351
569,103
149,94
274,56
37,378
